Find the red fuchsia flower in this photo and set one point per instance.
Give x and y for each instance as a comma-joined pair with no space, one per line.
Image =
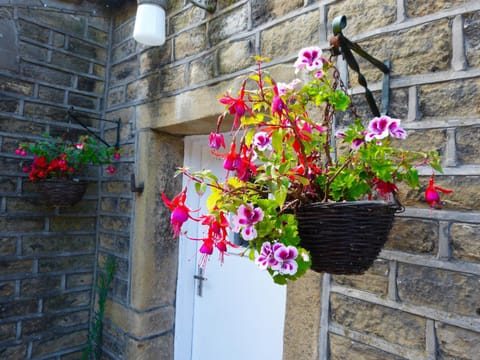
180,212
309,58
237,106
117,156
385,189
216,141
21,152
432,197
231,159
245,220
278,105
111,169
244,164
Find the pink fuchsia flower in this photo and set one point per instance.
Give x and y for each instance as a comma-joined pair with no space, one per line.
244,163
180,212
116,156
262,141
216,141
21,152
309,58
432,196
111,169
278,105
231,159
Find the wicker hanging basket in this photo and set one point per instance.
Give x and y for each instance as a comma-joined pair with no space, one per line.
345,237
61,192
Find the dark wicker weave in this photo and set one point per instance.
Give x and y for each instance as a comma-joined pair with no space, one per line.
345,237
61,192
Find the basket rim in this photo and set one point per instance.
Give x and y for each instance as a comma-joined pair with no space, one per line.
358,203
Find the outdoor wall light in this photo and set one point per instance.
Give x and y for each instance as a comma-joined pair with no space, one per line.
150,22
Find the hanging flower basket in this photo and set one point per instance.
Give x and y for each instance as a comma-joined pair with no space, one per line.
61,192
345,237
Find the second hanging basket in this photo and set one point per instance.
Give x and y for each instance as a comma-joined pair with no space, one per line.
61,192
345,237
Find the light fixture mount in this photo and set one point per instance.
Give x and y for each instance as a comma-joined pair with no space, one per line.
207,5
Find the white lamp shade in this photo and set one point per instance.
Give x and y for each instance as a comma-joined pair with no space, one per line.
150,25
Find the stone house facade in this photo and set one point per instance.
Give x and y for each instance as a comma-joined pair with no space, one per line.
421,299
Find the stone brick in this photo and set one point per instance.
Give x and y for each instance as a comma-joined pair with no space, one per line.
236,56
185,19
456,343
190,42
18,308
47,74
8,331
39,286
16,352
230,23
83,101
10,104
58,322
158,348
471,29
80,47
116,96
59,342
452,98
97,35
8,245
99,70
437,140
155,57
114,223
51,94
69,263
202,69
7,289
280,40
303,316
342,348
429,44
414,236
66,223
79,280
123,33
25,223
33,52
439,289
70,62
116,187
56,243
33,31
388,324
374,14
266,10
414,8
58,40
7,184
10,267
124,71
70,23
91,85
468,151
375,280
465,239
66,301
124,50
14,85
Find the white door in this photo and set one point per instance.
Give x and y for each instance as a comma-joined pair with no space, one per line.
240,312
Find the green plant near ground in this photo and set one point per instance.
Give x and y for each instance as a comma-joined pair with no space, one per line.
95,335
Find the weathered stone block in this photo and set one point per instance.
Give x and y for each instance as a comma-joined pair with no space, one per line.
29,51
46,74
124,71
97,35
33,31
414,8
25,223
60,322
7,289
468,151
280,40
452,98
83,101
13,85
66,301
465,239
236,56
8,331
158,348
185,19
41,285
375,280
8,245
471,29
58,40
190,42
265,10
124,50
155,57
56,243
89,84
456,343
70,62
342,348
18,308
70,23
117,224
439,289
82,262
16,352
374,14
303,311
80,47
414,235
230,23
79,280
51,94
202,69
391,325
123,33
59,342
429,44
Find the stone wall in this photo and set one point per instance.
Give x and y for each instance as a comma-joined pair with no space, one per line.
420,300
51,58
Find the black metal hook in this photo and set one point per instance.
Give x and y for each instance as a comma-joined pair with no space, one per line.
76,118
342,45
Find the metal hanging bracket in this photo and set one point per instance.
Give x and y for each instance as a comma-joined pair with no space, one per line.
207,5
71,115
342,46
